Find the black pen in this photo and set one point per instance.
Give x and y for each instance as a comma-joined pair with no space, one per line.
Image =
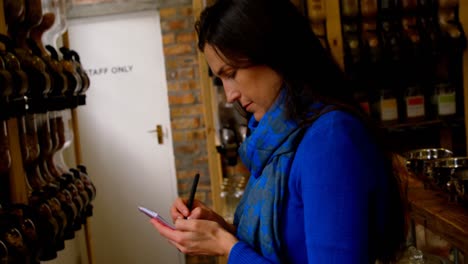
193,191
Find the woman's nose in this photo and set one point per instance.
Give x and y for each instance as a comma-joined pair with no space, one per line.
232,94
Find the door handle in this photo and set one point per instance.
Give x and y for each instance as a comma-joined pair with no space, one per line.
159,134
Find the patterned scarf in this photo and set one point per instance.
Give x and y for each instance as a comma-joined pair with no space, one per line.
268,154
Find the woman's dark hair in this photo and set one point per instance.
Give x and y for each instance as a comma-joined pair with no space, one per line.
274,33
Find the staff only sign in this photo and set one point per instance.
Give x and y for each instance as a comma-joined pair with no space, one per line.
110,70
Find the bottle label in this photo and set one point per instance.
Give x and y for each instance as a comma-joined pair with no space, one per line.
415,106
365,106
319,29
369,8
316,10
388,109
409,5
446,104
350,8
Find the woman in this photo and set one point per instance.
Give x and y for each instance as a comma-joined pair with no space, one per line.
321,189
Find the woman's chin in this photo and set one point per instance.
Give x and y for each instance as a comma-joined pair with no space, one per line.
258,116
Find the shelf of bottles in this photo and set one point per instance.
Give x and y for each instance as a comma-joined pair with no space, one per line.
316,12
39,85
231,126
407,57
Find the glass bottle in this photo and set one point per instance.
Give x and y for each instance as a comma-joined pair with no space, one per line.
316,10
415,103
19,80
5,161
409,6
13,239
81,173
69,192
230,196
299,5
429,50
75,81
319,29
445,100
86,188
414,95
85,81
443,4
58,8
65,196
388,106
52,186
390,28
3,253
371,65
391,94
68,181
225,195
349,8
27,221
369,9
43,203
65,176
352,46
29,143
428,23
6,89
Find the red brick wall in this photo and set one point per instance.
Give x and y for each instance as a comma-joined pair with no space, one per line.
186,110
187,119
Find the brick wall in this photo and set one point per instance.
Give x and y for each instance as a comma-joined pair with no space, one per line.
186,109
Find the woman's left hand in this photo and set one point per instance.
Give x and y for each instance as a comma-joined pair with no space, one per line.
198,237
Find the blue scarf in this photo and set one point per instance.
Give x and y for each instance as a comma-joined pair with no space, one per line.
268,154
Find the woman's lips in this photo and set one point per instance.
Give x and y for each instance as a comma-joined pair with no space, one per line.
246,105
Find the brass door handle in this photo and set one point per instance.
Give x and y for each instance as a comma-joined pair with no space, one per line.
159,133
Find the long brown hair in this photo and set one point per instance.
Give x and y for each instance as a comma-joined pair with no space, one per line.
274,33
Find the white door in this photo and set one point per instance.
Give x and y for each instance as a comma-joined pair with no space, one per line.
128,97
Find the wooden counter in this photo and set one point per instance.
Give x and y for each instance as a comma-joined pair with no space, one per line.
432,210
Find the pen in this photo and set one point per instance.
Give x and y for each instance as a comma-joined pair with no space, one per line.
192,191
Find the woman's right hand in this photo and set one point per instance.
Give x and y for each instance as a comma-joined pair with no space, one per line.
200,211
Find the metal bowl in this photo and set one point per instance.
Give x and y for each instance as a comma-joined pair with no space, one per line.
452,175
428,154
451,163
419,162
414,255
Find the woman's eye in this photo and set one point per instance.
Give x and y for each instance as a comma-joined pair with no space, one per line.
231,75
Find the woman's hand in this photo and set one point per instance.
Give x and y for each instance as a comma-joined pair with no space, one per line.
179,210
198,237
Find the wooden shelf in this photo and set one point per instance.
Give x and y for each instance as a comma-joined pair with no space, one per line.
433,210
453,122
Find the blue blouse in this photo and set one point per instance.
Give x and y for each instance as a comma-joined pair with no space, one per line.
335,203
